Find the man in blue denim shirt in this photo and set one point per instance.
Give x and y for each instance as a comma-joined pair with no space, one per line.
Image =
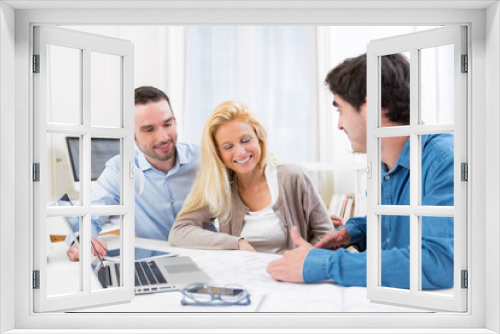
169,169
307,264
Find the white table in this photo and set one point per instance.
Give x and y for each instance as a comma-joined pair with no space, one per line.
245,268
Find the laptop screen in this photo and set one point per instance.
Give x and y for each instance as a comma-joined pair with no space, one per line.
101,150
140,253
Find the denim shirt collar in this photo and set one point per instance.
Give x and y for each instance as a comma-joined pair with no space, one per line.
404,157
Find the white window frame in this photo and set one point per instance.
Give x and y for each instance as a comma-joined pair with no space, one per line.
484,103
87,43
456,36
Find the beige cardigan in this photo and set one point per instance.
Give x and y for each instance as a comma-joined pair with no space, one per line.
298,204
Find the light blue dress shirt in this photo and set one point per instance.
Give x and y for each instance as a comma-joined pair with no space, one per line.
349,269
164,194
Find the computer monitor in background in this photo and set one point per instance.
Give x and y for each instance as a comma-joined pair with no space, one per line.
102,149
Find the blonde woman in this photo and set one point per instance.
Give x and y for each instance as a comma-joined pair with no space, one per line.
256,200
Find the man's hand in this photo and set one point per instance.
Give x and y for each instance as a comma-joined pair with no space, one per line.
100,246
289,267
244,245
337,221
334,240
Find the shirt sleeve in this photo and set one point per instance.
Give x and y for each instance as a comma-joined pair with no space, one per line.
188,232
105,191
357,229
347,269
318,221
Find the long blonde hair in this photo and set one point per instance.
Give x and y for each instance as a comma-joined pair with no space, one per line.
212,185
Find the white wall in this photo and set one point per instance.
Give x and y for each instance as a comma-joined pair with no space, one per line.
7,184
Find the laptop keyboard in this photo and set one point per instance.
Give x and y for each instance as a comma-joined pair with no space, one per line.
146,273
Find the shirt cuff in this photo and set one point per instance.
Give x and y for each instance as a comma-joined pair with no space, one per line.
316,265
352,226
95,230
69,240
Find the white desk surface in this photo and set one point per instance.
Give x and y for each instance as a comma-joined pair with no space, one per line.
224,267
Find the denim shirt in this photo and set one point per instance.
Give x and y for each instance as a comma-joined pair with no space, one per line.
164,194
349,269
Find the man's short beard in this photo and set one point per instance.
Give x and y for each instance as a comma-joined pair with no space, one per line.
168,156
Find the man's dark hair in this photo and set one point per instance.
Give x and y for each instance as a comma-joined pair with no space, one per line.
348,80
148,94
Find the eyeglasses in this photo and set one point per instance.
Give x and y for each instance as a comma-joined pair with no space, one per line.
205,295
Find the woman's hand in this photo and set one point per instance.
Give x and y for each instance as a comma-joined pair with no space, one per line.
334,240
244,245
337,221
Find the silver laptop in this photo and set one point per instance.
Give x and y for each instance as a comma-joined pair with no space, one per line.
160,274
153,273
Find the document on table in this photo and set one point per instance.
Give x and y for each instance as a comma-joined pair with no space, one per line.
267,295
249,269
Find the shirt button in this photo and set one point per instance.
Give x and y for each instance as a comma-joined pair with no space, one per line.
387,177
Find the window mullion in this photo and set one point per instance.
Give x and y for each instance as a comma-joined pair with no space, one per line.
85,160
128,195
373,182
415,187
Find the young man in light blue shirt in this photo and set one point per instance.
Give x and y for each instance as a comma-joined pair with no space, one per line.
307,264
169,168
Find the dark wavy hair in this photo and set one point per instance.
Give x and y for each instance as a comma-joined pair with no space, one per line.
148,94
348,80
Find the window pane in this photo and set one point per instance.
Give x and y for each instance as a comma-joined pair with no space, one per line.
395,175
395,252
437,253
105,154
102,150
437,84
437,169
106,90
64,90
395,93
108,271
64,274
62,168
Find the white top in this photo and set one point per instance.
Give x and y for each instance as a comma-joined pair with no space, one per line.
263,229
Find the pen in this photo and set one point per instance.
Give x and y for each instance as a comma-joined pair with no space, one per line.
97,254
77,241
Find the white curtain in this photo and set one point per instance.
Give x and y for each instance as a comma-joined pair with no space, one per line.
272,70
